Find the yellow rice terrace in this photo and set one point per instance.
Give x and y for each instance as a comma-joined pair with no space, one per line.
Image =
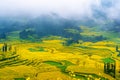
52,60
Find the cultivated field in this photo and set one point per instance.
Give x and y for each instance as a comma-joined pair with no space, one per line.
52,60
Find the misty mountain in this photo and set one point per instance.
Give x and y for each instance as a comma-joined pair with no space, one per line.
41,26
47,25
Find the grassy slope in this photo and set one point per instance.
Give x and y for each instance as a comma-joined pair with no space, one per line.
96,31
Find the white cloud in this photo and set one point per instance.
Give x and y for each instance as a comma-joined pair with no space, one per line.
65,8
114,12
36,7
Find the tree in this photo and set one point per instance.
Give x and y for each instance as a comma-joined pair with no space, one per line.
117,49
4,48
28,34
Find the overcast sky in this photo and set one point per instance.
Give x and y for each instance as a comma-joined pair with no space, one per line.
64,8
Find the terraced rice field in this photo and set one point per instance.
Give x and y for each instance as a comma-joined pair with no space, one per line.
41,61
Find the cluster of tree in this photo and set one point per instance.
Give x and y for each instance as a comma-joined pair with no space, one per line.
94,38
25,34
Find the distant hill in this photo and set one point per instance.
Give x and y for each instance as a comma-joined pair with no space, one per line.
28,27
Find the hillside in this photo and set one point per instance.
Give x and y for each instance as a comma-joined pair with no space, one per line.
59,40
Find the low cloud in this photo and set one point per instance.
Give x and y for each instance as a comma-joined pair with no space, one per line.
65,8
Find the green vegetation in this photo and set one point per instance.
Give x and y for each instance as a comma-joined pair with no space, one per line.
62,64
19,79
87,76
38,49
108,60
